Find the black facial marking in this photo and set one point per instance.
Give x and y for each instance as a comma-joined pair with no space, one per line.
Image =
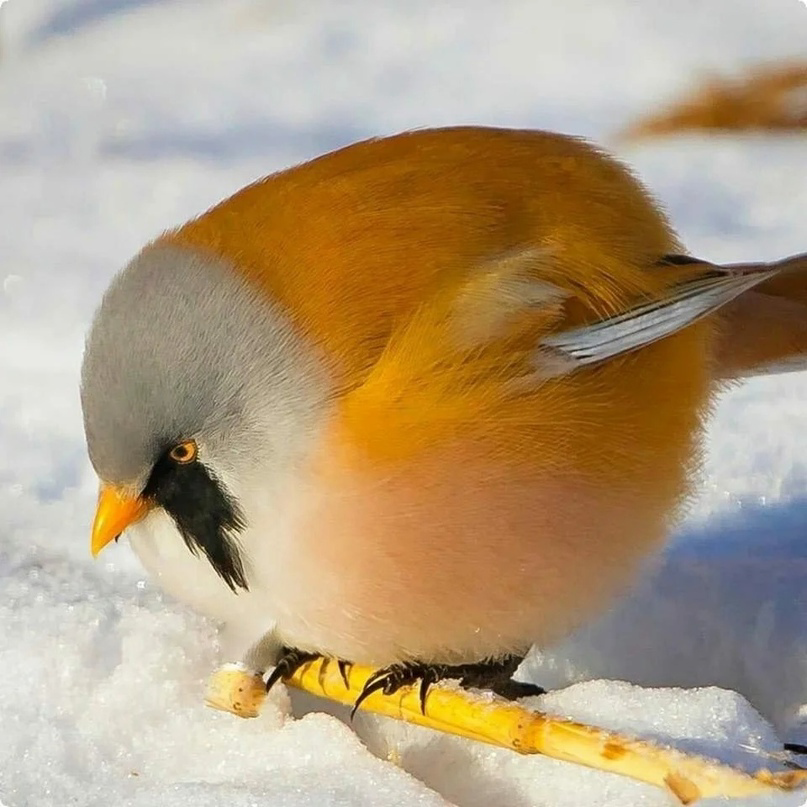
207,516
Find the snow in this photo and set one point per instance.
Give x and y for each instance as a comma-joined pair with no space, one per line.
119,118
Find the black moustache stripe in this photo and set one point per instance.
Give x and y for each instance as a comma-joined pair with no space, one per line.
207,516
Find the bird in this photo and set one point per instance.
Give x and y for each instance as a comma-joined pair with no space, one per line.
423,402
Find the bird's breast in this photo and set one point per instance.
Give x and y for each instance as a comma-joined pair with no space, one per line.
458,557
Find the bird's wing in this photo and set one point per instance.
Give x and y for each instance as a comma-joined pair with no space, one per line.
507,306
567,350
502,333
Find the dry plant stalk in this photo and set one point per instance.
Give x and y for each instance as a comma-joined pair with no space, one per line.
491,720
769,98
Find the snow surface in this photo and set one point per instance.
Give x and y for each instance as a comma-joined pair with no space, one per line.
119,118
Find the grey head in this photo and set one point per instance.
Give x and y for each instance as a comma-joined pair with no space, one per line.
184,349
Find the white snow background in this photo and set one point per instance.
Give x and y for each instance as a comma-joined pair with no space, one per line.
119,118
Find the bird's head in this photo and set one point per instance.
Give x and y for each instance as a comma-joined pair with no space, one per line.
194,388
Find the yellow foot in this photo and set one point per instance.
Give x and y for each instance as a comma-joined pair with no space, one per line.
236,689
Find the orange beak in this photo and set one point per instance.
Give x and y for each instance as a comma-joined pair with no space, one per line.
116,511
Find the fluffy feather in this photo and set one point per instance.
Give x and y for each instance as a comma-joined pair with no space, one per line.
455,479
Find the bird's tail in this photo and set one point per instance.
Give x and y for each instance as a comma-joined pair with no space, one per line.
764,330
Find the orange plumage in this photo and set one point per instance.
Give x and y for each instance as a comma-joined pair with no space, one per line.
361,245
472,490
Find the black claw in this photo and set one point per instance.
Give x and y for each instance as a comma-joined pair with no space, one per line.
289,662
344,669
431,675
387,680
493,675
425,683
373,685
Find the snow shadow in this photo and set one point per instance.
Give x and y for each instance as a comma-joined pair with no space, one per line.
726,605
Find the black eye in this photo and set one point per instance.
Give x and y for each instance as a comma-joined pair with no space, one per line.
183,453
